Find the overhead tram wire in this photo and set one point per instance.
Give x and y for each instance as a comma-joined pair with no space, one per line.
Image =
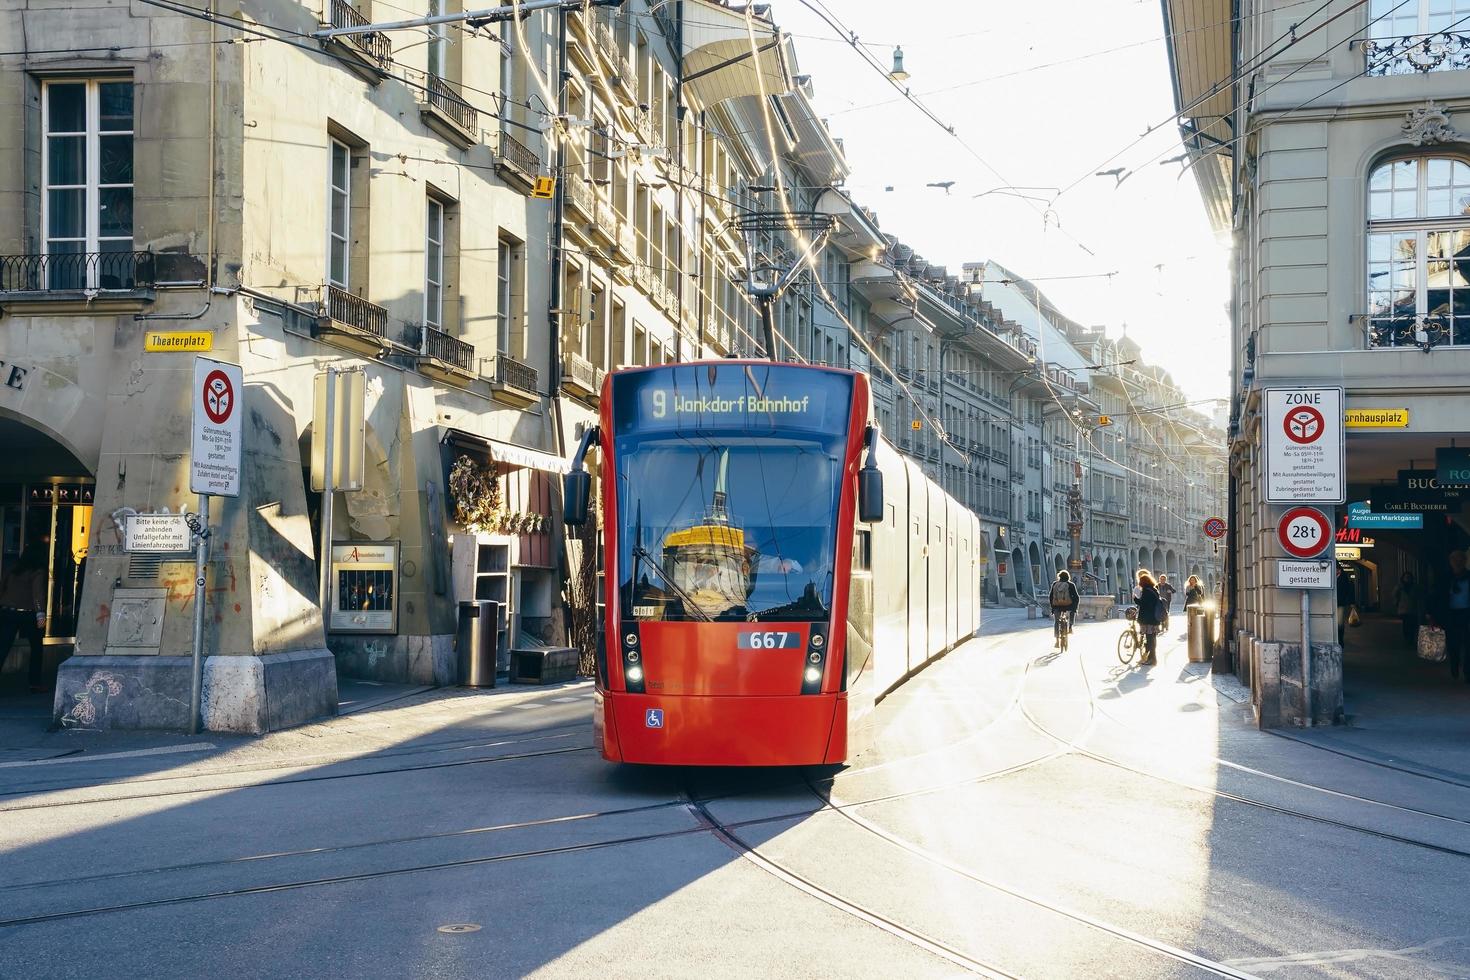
1050,64
1260,61
810,259
312,45
1234,76
1276,117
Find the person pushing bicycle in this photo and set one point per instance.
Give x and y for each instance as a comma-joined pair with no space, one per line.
1064,601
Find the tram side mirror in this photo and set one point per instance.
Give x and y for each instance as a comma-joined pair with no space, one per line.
576,494
870,494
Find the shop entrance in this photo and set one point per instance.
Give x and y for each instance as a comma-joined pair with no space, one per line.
46,514
1398,580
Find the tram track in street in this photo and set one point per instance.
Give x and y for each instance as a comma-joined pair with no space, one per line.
1077,748
292,781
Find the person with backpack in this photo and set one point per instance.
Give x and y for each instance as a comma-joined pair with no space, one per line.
1064,599
1151,615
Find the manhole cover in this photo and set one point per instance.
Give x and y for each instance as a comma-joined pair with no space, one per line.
460,927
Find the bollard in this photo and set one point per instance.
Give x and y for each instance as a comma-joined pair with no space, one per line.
1196,633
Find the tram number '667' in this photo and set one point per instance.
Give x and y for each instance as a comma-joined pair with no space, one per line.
769,640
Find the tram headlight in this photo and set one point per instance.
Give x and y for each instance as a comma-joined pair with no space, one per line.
632,656
635,674
813,675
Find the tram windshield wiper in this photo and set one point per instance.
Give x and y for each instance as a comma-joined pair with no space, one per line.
641,552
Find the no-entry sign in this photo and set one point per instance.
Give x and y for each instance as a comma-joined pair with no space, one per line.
1304,532
214,467
1305,459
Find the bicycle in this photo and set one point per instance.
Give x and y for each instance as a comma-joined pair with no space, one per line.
1062,628
1131,641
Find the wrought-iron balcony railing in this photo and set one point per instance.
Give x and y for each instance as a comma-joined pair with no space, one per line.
375,45
444,96
1424,332
1417,54
75,271
517,155
578,372
506,370
439,345
356,312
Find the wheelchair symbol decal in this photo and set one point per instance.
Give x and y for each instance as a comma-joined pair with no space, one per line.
654,718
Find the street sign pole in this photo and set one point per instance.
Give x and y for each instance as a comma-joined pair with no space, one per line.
1306,658
200,528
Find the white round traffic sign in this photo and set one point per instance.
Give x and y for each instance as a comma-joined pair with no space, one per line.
1304,532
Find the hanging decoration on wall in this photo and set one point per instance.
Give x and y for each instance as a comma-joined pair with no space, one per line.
475,491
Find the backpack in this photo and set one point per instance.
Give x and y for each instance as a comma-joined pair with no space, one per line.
1061,593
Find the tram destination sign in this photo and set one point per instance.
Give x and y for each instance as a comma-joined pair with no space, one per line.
1305,454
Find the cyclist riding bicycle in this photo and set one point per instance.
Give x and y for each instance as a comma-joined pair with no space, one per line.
1064,600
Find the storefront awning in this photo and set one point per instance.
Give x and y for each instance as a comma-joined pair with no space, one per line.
719,64
508,456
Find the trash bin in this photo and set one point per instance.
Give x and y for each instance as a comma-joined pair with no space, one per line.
475,642
1199,650
1210,620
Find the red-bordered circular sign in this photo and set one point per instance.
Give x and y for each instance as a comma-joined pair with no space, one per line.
1215,527
1304,532
1304,424
219,397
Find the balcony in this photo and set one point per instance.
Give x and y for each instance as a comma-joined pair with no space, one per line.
443,356
579,377
447,113
353,321
511,381
100,281
369,55
517,163
1416,54
581,199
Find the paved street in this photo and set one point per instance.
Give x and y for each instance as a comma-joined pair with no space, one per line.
1025,814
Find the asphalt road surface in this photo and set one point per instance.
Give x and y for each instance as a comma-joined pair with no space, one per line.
1026,814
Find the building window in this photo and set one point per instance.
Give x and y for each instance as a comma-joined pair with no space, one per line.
434,266
509,297
339,218
87,160
1417,36
1418,235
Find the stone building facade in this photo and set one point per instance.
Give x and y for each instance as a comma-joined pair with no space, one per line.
1334,161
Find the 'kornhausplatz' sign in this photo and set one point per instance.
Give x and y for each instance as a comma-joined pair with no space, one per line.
1305,456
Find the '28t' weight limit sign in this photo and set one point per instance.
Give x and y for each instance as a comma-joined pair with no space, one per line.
1304,532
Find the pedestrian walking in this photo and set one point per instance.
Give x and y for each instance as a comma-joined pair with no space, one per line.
1151,615
1194,593
1347,597
23,611
1166,595
1452,613
1407,603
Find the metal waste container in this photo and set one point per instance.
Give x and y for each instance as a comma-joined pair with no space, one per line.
475,641
1199,645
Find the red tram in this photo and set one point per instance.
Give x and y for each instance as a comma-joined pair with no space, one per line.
773,566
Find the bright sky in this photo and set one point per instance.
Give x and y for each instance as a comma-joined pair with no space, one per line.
1043,93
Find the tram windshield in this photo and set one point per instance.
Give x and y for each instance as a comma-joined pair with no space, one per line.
728,481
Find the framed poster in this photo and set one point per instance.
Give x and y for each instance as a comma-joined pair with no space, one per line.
364,587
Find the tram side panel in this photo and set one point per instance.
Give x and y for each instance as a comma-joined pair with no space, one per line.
953,537
891,586
938,565
917,496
